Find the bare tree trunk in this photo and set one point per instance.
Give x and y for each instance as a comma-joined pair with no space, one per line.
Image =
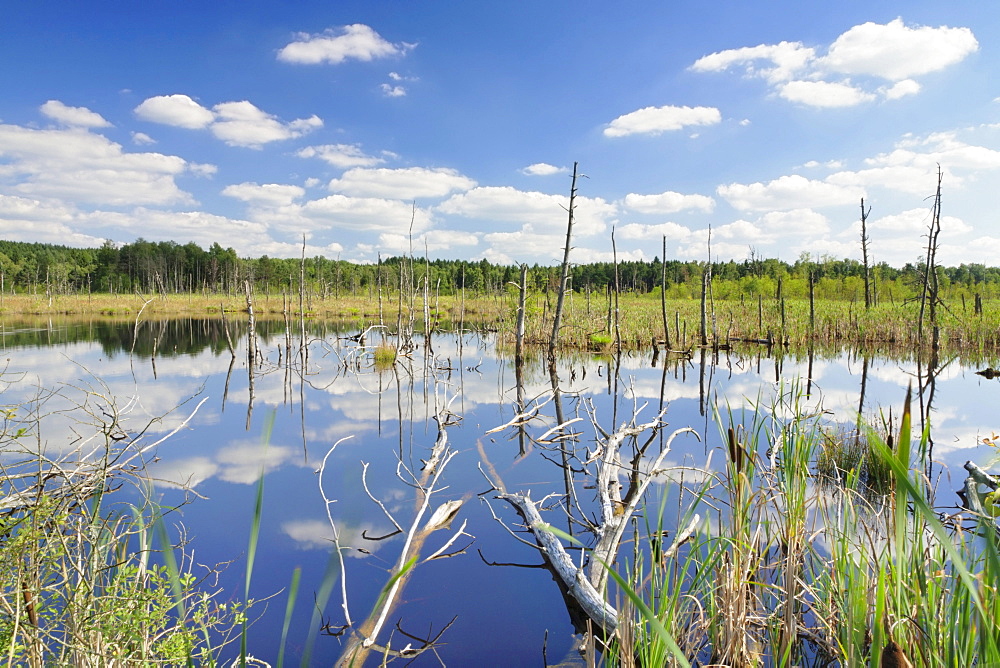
929,295
864,254
617,329
663,295
706,283
302,306
521,305
564,277
812,303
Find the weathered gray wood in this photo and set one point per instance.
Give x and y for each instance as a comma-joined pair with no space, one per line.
575,581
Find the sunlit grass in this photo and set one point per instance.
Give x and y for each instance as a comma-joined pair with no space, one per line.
638,320
385,356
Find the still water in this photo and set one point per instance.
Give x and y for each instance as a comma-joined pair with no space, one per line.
182,375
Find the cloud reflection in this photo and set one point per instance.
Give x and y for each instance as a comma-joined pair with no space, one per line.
318,535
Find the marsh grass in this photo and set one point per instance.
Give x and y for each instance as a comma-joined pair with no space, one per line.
846,459
384,356
790,572
736,318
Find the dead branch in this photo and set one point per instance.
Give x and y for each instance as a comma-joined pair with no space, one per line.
363,640
576,583
327,502
615,515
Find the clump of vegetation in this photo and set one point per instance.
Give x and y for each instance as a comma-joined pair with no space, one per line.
88,582
847,458
385,356
600,342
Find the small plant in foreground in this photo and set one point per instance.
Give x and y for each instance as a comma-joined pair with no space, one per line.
82,584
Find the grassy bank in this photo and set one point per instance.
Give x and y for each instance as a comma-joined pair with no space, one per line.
632,321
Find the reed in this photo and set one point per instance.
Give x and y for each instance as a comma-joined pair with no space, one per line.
791,572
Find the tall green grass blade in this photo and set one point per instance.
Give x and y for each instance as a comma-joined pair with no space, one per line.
170,562
255,528
330,577
293,592
173,572
654,623
909,493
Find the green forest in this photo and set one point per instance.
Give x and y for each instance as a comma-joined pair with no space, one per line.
167,267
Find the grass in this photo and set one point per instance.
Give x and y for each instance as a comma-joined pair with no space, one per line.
385,356
888,326
788,572
846,458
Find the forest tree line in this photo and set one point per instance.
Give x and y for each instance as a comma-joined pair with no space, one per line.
167,267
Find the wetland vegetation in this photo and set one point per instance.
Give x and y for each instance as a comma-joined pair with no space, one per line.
783,536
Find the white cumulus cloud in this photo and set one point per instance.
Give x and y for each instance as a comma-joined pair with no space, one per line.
542,169
824,93
236,123
406,183
334,46
900,89
368,214
672,231
83,167
787,192
176,110
268,194
432,240
657,120
73,116
390,90
773,62
895,51
343,156
892,52
668,202
243,124
534,210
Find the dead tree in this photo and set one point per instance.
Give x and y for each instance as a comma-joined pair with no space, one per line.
706,283
929,297
663,295
617,330
869,295
564,275
587,583
363,637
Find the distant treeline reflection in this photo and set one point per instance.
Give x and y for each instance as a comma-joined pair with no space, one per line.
163,337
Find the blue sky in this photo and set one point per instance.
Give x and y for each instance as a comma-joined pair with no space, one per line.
373,128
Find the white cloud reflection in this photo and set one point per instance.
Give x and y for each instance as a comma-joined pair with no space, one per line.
318,535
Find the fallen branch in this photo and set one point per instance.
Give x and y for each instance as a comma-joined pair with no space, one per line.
573,578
